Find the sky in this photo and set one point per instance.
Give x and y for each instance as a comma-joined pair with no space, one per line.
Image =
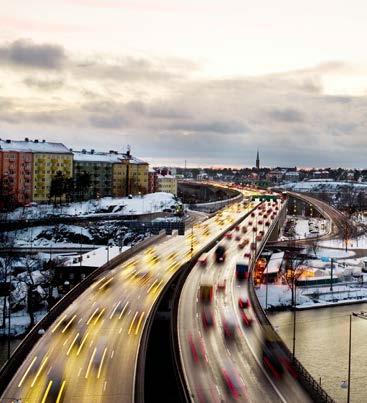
206,81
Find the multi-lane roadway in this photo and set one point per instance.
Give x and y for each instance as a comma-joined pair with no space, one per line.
219,367
90,353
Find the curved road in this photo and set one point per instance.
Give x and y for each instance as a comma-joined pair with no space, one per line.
242,356
90,352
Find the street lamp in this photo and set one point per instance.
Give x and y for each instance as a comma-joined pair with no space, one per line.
108,253
362,315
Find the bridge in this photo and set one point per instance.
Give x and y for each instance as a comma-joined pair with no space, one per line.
91,346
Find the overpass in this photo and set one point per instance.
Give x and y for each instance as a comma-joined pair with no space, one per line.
341,226
99,328
239,357
75,353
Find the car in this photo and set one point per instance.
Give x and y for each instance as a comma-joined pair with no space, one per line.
221,286
207,317
247,254
228,235
203,259
229,326
197,348
237,228
253,214
250,223
232,381
246,319
243,243
244,229
243,302
237,238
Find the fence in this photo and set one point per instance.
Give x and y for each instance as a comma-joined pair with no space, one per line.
314,389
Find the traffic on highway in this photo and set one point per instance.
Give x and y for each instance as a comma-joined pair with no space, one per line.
90,353
226,354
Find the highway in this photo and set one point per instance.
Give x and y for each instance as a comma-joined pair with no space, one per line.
90,352
208,357
339,223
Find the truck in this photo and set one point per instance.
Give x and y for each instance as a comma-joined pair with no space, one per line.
220,254
206,293
242,270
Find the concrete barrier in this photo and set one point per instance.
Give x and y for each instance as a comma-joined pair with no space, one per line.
10,368
314,389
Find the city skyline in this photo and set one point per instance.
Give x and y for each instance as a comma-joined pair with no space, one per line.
204,83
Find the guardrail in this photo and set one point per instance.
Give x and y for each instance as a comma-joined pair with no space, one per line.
214,206
184,270
305,378
180,372
10,368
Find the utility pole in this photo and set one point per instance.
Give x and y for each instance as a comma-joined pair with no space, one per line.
331,274
349,356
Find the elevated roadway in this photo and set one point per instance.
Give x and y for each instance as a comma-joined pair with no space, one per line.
207,356
90,352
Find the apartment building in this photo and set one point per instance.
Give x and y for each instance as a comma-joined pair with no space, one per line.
49,160
15,173
111,173
167,183
32,164
98,166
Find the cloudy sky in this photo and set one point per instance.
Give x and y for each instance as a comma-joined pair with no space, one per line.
209,81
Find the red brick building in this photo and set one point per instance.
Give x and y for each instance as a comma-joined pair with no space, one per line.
15,175
152,181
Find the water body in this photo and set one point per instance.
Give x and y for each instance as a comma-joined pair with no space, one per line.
322,337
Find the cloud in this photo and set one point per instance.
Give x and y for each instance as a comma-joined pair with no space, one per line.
288,115
162,111
44,84
213,126
26,54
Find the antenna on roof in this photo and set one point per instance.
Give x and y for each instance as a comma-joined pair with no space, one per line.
128,149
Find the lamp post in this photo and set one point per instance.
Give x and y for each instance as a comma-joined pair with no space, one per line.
108,253
362,315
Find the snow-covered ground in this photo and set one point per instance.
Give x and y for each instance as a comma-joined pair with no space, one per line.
351,285
302,227
72,236
321,186
97,257
360,243
150,203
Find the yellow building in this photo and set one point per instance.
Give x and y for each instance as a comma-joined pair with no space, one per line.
135,170
167,183
48,160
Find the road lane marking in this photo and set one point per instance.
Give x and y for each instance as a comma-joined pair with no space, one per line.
27,371
114,309
90,362
132,322
100,365
39,370
58,324
91,317
139,323
60,392
46,392
72,343
82,343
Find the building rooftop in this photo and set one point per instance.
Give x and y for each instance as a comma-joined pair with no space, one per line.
33,146
112,157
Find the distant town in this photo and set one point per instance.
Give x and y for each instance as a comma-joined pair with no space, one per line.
39,171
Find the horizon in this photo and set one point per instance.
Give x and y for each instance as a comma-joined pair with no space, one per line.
93,74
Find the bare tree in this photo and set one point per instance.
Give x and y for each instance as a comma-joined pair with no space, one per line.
6,266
